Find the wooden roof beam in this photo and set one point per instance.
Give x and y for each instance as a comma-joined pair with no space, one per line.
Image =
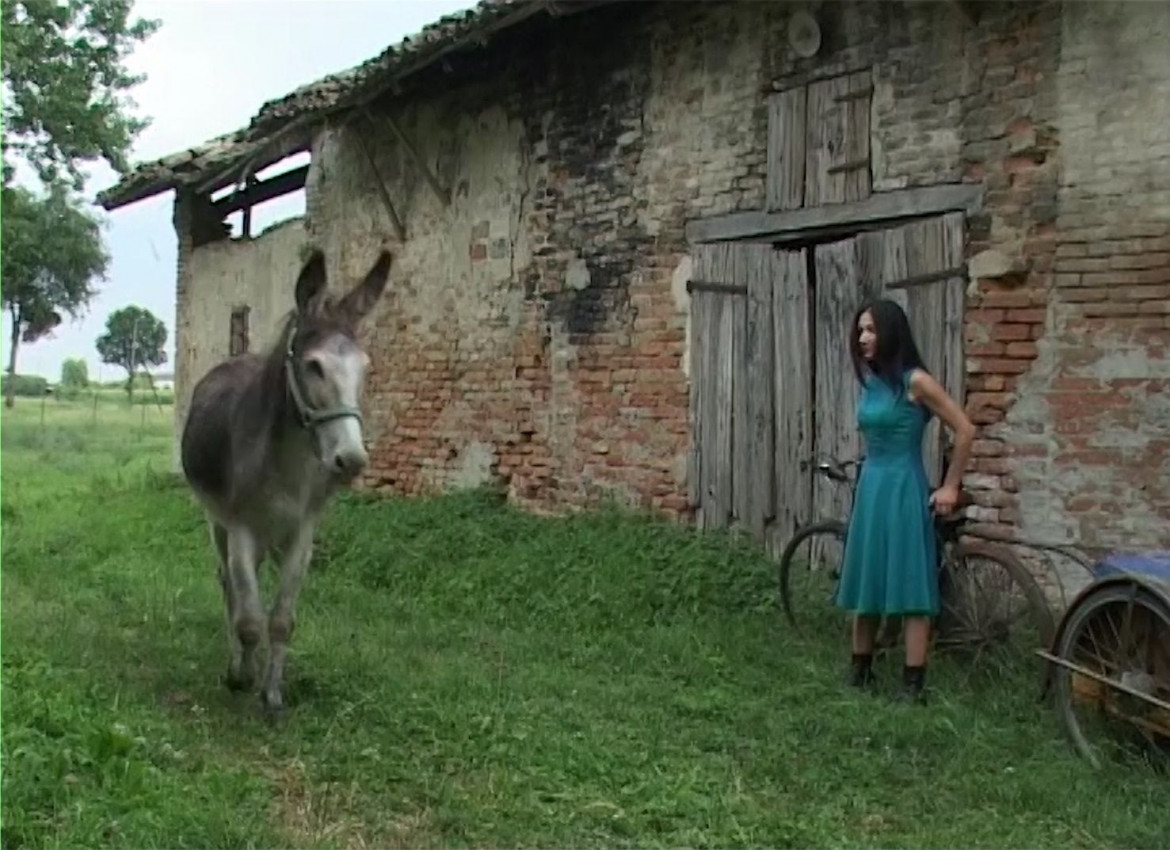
264,190
809,222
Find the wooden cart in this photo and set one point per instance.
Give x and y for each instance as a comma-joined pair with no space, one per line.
1109,661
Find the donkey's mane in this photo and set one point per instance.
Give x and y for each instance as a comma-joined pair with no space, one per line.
262,406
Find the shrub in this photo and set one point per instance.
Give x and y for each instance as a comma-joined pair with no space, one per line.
26,386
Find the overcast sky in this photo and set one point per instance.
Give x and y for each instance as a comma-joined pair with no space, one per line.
210,67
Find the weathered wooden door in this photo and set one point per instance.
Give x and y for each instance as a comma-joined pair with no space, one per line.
749,369
919,265
772,383
729,354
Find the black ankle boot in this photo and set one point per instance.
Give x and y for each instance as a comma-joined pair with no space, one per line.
913,685
861,670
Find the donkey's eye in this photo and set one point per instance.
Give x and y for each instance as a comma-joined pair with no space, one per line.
313,367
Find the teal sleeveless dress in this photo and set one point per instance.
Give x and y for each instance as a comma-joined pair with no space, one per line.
890,564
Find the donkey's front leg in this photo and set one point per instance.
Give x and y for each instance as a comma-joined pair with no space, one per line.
282,618
219,538
247,614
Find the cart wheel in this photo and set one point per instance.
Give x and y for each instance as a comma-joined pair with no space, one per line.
1118,693
991,603
809,570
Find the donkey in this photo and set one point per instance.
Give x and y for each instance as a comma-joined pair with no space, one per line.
269,438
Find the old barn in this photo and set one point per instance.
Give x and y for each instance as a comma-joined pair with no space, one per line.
629,236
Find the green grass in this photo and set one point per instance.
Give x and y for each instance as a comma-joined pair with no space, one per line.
465,675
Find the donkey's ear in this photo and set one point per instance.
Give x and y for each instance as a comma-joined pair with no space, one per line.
311,282
361,299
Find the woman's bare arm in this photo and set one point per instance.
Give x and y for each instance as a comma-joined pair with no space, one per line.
924,388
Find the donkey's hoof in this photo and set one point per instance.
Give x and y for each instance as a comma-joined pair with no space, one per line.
273,703
235,680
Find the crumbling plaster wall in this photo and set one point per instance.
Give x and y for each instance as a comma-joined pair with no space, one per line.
451,312
1089,425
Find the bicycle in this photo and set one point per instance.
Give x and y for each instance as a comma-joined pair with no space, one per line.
968,619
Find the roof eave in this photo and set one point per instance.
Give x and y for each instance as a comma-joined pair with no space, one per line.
226,155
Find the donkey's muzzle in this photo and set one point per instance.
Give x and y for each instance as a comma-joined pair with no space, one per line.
347,464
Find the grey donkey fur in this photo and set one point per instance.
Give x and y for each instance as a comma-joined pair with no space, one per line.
268,439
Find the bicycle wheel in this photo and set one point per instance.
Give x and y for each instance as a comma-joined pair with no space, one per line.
1116,705
810,568
990,602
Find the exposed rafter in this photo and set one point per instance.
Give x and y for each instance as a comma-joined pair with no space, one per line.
261,191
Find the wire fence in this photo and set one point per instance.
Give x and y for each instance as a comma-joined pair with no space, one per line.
96,406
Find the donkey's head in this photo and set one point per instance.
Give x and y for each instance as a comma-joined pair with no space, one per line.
325,366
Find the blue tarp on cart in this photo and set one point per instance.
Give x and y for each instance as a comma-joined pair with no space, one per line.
1151,564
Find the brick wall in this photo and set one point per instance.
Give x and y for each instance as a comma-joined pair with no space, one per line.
534,333
1010,146
1088,432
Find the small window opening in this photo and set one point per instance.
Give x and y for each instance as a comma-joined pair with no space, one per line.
238,343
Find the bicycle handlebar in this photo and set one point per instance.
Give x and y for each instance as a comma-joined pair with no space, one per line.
832,468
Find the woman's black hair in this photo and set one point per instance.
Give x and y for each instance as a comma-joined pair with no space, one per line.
895,353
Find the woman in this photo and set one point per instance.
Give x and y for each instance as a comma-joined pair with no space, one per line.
890,567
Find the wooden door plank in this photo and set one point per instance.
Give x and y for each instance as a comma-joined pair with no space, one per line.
956,288
711,446
722,412
954,307
826,138
757,467
786,149
704,383
740,509
858,180
699,384
793,400
838,294
714,376
925,311
837,150
870,253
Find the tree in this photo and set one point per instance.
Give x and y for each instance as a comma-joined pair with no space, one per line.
134,337
74,373
63,105
52,255
65,81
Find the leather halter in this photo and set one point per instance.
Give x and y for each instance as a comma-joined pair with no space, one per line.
309,417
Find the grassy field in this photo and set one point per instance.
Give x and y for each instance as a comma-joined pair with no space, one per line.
467,675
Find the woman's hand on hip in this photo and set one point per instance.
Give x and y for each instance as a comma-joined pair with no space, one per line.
945,499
